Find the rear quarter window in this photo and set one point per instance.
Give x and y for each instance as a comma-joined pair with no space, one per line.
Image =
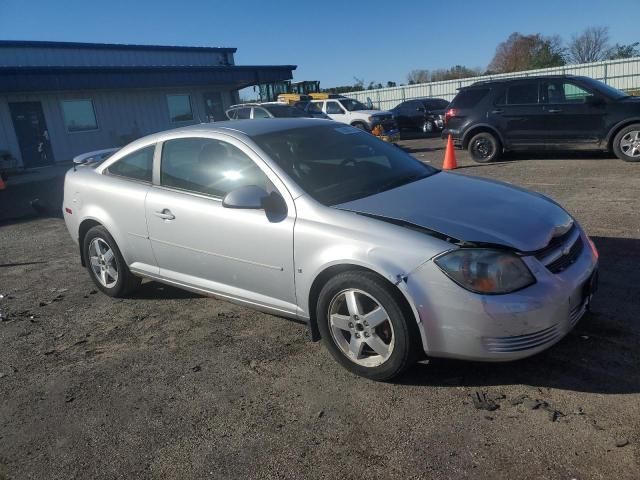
469,98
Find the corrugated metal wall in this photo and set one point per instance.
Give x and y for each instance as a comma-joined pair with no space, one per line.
623,74
121,115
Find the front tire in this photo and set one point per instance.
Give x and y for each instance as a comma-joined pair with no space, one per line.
105,264
484,147
365,326
428,127
626,144
361,126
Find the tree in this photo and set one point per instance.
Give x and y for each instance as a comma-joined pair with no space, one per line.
391,84
418,76
592,45
623,51
454,73
526,52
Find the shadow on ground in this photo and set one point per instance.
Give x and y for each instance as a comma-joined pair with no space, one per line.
598,356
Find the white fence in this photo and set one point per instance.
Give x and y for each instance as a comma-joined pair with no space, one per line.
623,74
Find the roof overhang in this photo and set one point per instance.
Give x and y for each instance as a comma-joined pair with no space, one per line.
43,79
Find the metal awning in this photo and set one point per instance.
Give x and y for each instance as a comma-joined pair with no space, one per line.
44,79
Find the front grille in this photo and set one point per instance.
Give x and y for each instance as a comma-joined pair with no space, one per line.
518,343
566,260
562,251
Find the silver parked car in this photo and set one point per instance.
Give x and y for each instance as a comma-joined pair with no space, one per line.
387,259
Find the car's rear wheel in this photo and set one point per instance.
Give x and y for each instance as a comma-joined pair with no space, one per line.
105,264
484,147
626,144
365,327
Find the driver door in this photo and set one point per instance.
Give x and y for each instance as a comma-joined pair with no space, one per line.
336,112
199,243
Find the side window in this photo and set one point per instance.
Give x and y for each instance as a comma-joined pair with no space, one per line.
243,113
232,114
137,165
260,113
522,93
562,92
207,166
334,108
314,107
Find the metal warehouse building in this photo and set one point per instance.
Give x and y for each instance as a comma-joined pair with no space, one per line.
60,99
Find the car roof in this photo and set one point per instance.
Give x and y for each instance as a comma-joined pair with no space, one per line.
515,79
247,127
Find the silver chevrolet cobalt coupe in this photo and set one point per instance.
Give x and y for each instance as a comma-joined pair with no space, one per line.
386,259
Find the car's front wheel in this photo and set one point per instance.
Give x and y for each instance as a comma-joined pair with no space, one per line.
365,327
626,144
427,126
105,264
484,147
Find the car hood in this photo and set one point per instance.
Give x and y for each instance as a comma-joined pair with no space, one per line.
471,209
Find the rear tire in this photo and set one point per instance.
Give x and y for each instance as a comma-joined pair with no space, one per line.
105,264
378,346
484,147
626,143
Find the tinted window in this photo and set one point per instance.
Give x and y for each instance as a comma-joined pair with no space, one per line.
558,91
336,164
469,98
260,113
439,104
243,113
179,108
522,93
334,108
137,165
285,111
314,107
208,166
79,115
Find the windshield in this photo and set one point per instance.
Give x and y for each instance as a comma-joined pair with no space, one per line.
353,105
607,90
336,164
285,111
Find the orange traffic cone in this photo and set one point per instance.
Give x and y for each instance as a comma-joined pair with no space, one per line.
449,156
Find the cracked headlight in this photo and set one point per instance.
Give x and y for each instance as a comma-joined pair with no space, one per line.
485,271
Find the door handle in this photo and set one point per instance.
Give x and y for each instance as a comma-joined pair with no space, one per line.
497,110
165,214
554,110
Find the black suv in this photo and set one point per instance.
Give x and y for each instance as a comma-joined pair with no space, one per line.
540,113
424,114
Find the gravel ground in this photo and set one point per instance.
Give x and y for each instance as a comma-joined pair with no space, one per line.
169,384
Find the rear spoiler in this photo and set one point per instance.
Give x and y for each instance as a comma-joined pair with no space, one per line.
93,157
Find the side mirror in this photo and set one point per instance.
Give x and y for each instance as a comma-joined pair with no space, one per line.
249,197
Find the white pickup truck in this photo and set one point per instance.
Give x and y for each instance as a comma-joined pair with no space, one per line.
355,113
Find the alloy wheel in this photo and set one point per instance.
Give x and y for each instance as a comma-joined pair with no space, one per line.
103,262
482,148
361,328
630,144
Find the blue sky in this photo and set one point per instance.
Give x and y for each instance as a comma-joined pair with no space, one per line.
330,41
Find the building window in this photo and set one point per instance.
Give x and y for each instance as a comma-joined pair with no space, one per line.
79,115
179,108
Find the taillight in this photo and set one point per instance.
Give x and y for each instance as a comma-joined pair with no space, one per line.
451,112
